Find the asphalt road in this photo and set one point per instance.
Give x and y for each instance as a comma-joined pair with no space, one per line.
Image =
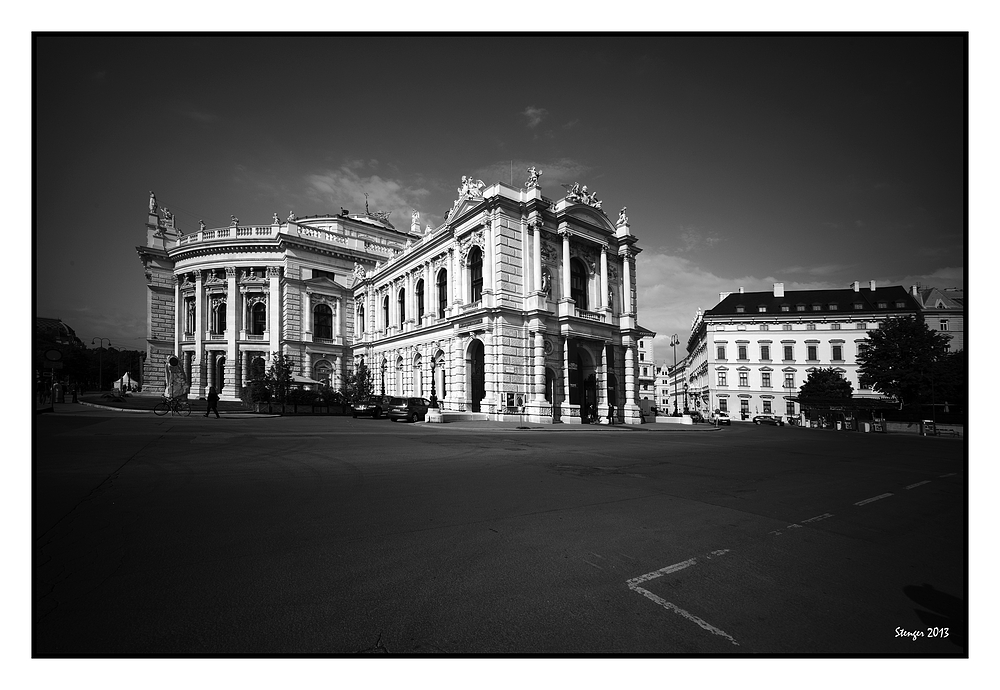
335,536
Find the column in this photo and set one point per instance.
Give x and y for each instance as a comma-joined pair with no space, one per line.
463,283
564,403
274,309
602,381
198,379
627,283
178,316
566,285
307,315
603,290
430,305
539,366
338,311
488,257
536,256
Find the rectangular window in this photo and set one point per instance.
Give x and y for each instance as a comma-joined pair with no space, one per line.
723,405
800,307
765,379
838,352
189,315
765,327
767,406
761,309
642,356
943,325
744,406
832,307
765,352
742,351
785,307
811,349
722,378
789,352
744,379
834,326
720,352
810,327
790,408
789,380
861,325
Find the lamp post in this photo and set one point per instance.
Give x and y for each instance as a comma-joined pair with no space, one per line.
100,360
434,400
674,342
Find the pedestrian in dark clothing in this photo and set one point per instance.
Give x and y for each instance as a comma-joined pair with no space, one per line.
213,402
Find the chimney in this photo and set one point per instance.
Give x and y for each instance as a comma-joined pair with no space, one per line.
779,289
913,290
871,285
741,289
856,285
724,295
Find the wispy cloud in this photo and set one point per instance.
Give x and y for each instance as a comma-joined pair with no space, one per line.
825,270
694,239
196,114
347,185
534,115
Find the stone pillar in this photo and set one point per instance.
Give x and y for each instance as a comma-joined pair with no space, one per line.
233,326
536,257
307,316
274,309
630,408
430,306
488,268
602,377
198,382
627,284
539,367
566,273
179,315
457,393
338,311
603,289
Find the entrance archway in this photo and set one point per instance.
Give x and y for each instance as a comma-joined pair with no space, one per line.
220,374
475,372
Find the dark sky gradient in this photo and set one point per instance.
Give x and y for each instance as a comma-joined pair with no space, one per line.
809,160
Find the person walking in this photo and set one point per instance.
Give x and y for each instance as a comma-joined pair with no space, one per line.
213,402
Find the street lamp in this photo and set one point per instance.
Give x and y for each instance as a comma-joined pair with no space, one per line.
434,400
100,361
674,342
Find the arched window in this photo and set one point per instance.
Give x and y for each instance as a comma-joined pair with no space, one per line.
442,286
359,327
476,274
420,300
399,376
322,321
401,304
258,318
219,318
442,379
418,388
578,283
189,315
385,312
257,369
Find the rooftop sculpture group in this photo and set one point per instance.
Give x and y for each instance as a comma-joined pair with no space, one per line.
582,196
533,175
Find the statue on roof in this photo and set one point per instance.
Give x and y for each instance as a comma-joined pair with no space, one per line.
359,271
274,219
573,191
471,187
167,215
234,221
291,217
152,203
622,218
201,226
533,175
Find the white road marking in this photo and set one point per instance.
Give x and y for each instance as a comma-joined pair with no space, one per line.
824,516
681,612
913,486
874,498
950,474
633,584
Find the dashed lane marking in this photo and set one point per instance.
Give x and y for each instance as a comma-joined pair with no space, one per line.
950,474
634,583
914,486
873,499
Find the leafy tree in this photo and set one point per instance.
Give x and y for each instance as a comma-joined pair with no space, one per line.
825,384
279,377
902,359
358,384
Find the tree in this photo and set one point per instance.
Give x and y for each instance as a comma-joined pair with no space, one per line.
901,359
279,377
358,385
824,385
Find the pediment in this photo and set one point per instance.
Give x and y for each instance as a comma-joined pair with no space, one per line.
325,284
590,215
463,206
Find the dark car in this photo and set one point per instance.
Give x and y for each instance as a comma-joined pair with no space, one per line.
410,409
373,407
768,419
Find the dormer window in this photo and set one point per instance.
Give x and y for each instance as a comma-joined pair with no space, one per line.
739,309
785,307
900,304
832,307
859,305
762,309
800,307
817,307
883,305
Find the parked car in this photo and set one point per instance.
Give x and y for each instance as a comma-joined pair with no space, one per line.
696,417
410,409
373,407
720,418
768,419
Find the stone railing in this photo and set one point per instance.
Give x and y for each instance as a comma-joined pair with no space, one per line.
591,315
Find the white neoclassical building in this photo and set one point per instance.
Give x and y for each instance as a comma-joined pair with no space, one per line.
517,307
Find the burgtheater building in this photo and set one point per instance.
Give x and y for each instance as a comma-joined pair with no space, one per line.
516,308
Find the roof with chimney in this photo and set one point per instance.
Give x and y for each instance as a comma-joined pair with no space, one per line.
889,299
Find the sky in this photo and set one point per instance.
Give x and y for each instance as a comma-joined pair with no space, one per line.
811,160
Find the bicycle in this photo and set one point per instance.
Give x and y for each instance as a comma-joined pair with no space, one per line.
173,406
